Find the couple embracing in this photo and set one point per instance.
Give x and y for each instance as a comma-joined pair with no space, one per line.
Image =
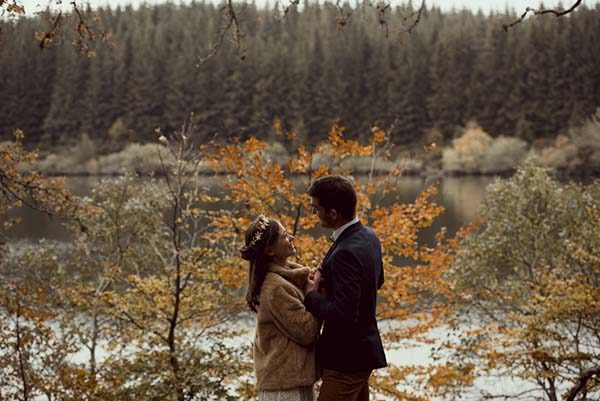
291,303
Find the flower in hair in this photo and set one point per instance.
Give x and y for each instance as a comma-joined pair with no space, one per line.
262,222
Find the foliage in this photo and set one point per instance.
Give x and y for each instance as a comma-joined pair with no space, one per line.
472,147
151,284
562,154
77,157
414,294
587,140
34,360
504,154
451,161
117,131
137,294
575,153
530,276
477,152
140,158
134,157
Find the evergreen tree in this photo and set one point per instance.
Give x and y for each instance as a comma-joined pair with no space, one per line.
67,106
533,81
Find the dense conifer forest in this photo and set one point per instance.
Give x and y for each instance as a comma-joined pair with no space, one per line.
533,81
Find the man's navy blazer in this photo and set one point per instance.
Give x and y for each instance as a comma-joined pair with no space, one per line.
352,272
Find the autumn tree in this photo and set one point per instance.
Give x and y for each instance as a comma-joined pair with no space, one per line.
135,295
37,348
415,293
529,276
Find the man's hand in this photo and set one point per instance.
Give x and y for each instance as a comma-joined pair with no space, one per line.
312,284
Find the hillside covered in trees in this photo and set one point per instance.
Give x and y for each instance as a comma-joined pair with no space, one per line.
532,81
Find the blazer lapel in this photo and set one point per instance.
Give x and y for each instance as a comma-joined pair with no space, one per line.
328,254
347,232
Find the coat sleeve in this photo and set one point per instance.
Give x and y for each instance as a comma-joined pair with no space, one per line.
343,307
291,317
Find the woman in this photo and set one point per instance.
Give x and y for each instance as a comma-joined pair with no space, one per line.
284,351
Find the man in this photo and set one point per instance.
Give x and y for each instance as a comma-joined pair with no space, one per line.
349,348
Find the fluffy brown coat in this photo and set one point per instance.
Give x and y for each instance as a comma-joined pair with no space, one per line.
284,345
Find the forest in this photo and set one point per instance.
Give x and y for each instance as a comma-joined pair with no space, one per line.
532,81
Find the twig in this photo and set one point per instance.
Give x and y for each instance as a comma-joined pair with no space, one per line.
416,16
47,38
293,3
534,11
488,396
581,382
232,21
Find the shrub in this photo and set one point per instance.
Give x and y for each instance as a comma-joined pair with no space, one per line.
587,140
472,146
141,158
277,152
477,152
451,161
118,135
562,154
55,164
73,160
504,154
364,164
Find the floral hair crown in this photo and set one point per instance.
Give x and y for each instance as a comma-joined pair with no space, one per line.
262,223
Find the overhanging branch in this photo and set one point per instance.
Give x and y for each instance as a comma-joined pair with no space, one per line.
528,10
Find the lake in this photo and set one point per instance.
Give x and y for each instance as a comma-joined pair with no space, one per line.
461,197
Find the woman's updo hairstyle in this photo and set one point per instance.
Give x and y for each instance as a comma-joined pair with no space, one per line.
262,234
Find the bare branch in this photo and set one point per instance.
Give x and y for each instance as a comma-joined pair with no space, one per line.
417,19
88,31
488,396
343,17
293,3
581,382
46,39
557,13
237,35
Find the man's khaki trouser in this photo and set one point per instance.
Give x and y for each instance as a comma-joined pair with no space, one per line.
342,386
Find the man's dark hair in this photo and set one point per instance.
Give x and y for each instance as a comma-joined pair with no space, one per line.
335,192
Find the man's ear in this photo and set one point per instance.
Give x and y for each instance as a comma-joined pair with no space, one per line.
333,214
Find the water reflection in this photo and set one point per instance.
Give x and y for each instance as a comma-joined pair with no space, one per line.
461,196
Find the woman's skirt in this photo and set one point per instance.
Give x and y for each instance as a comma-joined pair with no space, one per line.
296,394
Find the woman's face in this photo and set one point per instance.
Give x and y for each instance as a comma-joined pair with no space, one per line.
283,248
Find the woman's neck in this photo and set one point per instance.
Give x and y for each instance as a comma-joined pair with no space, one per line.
280,261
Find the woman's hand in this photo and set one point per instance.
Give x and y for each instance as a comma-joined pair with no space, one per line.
312,283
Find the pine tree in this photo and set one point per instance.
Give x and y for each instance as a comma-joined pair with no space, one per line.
67,108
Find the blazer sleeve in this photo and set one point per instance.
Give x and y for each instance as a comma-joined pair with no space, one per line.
347,282
291,317
381,277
